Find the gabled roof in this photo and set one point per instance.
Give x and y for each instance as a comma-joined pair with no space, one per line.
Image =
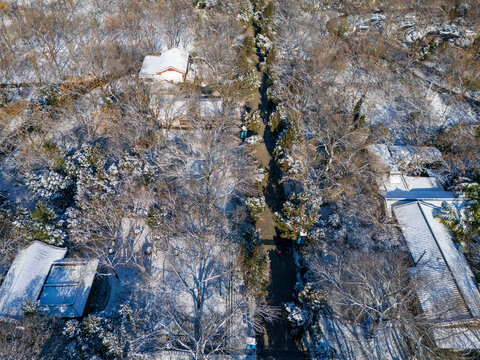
26,277
445,285
174,59
68,285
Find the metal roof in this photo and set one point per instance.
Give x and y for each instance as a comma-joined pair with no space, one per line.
67,287
40,273
26,277
445,285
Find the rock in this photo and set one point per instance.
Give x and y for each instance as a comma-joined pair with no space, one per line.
334,221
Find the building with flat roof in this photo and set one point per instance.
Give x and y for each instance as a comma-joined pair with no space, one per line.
67,287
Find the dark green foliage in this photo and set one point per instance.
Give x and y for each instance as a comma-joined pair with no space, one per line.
249,46
290,137
300,212
55,155
271,57
244,63
254,265
337,26
274,120
463,223
269,11
3,98
42,214
252,121
51,95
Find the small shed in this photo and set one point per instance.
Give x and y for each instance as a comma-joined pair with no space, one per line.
26,276
172,65
40,274
67,287
177,111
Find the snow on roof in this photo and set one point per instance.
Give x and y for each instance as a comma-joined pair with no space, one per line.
382,153
394,157
172,107
445,285
457,336
26,276
350,342
175,58
67,287
401,187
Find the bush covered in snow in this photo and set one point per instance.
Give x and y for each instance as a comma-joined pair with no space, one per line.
255,206
250,81
41,224
313,298
300,212
463,219
253,121
253,140
50,185
254,264
260,176
245,16
276,117
264,44
98,337
298,317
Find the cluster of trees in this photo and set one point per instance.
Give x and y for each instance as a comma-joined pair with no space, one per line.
91,157
330,83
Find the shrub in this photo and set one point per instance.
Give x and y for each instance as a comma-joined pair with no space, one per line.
250,81
463,221
264,44
261,176
289,136
97,337
253,140
41,224
249,46
253,121
276,118
42,214
338,26
245,15
244,63
255,206
300,212
254,264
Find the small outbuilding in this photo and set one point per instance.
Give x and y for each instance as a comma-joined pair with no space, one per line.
177,111
40,274
172,65
67,287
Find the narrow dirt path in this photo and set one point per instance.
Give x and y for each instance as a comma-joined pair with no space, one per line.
276,342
